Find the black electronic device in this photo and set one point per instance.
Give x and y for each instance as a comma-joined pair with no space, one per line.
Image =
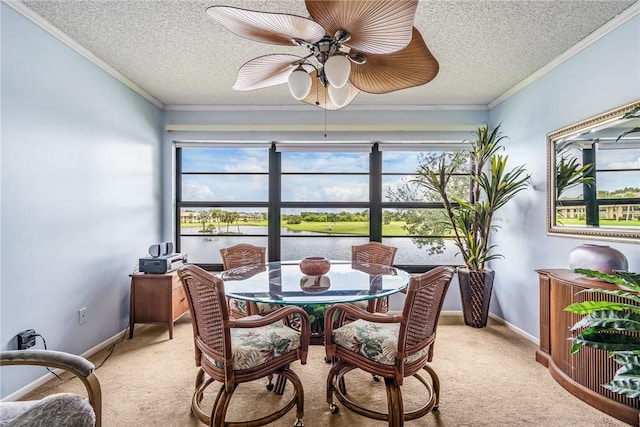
162,264
26,339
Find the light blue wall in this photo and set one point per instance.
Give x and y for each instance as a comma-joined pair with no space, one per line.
81,197
603,76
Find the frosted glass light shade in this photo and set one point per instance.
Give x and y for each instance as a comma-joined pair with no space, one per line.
299,83
340,95
337,69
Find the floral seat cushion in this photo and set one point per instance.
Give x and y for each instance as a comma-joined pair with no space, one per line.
61,409
375,341
254,346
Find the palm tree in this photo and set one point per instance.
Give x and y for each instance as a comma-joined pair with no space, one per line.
472,221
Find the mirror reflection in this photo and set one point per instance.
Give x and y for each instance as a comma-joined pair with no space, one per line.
594,176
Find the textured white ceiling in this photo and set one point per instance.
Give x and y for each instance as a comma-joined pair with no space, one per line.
174,52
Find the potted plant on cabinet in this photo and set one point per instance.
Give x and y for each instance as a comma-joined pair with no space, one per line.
472,221
612,326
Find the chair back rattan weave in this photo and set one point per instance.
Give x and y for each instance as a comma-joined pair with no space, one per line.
242,254
422,307
208,306
374,253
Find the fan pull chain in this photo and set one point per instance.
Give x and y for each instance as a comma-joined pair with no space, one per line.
325,122
325,111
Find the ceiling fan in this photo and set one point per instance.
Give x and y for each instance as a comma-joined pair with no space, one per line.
353,46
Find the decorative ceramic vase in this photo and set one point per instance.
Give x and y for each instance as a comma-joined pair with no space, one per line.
315,265
604,259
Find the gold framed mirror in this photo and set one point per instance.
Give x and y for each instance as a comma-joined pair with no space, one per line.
593,177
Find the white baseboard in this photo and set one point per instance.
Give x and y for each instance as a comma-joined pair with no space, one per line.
49,376
455,317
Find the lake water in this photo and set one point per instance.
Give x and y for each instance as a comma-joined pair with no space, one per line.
206,250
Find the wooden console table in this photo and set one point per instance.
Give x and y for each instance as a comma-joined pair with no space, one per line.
156,298
582,374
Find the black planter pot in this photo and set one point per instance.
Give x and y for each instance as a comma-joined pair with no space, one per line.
475,292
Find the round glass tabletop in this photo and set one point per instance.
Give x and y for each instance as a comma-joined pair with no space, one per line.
283,283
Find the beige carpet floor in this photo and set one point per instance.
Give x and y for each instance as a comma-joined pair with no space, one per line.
489,377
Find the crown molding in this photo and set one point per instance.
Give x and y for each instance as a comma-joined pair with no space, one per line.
305,107
28,13
317,127
608,27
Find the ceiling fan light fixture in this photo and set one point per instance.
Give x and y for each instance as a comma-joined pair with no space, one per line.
340,95
299,83
342,36
337,69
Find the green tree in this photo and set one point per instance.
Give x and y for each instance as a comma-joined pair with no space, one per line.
293,219
203,218
430,222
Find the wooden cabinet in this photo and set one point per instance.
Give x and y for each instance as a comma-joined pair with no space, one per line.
582,374
156,298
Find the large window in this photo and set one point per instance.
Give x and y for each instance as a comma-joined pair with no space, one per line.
222,198
307,199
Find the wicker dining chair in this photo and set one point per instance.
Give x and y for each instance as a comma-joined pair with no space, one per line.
390,345
235,351
374,253
245,255
58,409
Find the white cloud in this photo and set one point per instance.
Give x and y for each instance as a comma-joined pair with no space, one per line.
197,192
246,164
631,164
346,194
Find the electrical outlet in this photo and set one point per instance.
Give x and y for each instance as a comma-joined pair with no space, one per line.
82,315
26,339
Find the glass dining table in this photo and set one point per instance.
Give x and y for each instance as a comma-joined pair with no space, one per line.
282,282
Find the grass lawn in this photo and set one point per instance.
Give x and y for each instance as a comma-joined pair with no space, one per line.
603,222
356,228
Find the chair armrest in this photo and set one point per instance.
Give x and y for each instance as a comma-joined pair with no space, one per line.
51,358
273,317
77,365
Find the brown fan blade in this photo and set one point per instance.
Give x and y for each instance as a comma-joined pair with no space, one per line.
273,28
267,70
319,96
376,26
412,66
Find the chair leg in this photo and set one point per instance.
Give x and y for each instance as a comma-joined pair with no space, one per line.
196,400
394,403
436,385
330,376
299,392
219,411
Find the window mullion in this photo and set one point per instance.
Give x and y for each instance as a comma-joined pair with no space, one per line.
275,196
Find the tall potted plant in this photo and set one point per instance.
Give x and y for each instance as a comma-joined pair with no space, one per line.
472,221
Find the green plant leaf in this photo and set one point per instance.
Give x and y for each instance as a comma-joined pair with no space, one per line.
621,278
610,320
605,340
628,370
570,173
629,387
616,293
634,130
588,307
